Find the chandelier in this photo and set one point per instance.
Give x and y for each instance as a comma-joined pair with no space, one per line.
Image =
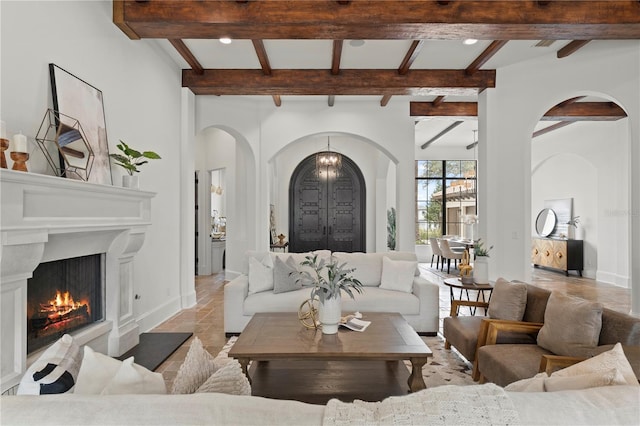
328,161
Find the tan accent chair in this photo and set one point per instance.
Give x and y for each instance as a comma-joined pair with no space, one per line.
503,364
469,333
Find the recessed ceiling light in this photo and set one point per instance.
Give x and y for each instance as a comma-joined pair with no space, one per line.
225,40
470,41
356,43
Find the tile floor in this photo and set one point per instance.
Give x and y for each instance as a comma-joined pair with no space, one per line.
206,319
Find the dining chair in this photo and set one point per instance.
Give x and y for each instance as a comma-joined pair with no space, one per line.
449,254
435,251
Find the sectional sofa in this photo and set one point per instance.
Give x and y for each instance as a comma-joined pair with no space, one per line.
419,305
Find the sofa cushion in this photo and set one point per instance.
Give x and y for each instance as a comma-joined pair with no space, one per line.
508,363
132,378
375,299
368,266
571,325
228,379
536,304
543,383
614,358
285,276
297,258
268,301
96,372
260,275
508,300
619,328
397,275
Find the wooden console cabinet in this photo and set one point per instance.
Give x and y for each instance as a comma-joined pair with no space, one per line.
565,255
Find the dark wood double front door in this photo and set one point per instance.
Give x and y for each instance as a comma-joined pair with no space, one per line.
327,210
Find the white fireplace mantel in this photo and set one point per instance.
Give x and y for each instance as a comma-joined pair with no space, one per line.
45,218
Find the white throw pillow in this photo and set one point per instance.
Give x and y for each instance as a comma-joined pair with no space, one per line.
260,275
397,275
583,381
96,372
55,371
533,384
197,367
132,378
228,379
612,359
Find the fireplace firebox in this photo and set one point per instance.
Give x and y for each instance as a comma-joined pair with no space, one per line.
63,296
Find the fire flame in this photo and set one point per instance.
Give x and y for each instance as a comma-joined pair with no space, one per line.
62,304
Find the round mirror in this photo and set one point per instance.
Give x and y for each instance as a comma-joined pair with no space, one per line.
546,222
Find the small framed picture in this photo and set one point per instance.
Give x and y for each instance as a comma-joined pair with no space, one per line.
274,237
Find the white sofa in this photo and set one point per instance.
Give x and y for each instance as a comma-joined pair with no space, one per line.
420,307
610,405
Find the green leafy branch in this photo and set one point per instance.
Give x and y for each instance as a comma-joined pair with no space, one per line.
131,159
337,278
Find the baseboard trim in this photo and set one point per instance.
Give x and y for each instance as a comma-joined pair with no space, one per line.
157,316
613,278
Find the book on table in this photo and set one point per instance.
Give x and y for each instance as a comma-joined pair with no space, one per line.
355,324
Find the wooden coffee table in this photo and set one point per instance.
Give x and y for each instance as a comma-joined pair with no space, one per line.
292,351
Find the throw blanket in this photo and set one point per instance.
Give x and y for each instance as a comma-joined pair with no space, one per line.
445,405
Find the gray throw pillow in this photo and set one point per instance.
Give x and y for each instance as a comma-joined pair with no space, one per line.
508,300
285,275
571,326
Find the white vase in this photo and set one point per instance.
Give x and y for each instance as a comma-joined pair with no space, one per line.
571,231
330,312
481,270
129,181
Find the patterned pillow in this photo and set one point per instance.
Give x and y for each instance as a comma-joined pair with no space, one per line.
228,379
197,367
55,371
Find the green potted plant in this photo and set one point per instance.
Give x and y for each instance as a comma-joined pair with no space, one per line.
481,262
327,280
130,160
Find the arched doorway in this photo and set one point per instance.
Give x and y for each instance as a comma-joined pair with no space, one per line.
327,210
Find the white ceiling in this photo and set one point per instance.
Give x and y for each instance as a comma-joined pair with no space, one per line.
379,54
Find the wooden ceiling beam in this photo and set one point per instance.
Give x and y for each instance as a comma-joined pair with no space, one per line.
258,45
574,111
441,134
336,57
184,51
348,82
485,56
585,111
570,48
412,54
380,19
446,109
551,128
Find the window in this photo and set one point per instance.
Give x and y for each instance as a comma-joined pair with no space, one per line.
445,196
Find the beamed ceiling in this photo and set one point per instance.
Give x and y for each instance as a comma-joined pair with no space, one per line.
336,51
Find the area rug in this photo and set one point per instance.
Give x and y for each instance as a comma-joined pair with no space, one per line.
446,367
154,348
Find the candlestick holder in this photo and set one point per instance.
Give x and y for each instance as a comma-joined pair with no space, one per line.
19,161
4,145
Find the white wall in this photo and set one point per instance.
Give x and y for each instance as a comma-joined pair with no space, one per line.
505,127
142,102
268,130
586,161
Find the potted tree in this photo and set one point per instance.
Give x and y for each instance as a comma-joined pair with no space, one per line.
130,160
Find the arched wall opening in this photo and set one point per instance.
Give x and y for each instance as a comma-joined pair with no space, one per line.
377,165
588,162
221,147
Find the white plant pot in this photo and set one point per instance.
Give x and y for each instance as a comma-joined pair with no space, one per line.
129,181
330,312
481,270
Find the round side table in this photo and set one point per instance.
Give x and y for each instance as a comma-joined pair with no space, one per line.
455,283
